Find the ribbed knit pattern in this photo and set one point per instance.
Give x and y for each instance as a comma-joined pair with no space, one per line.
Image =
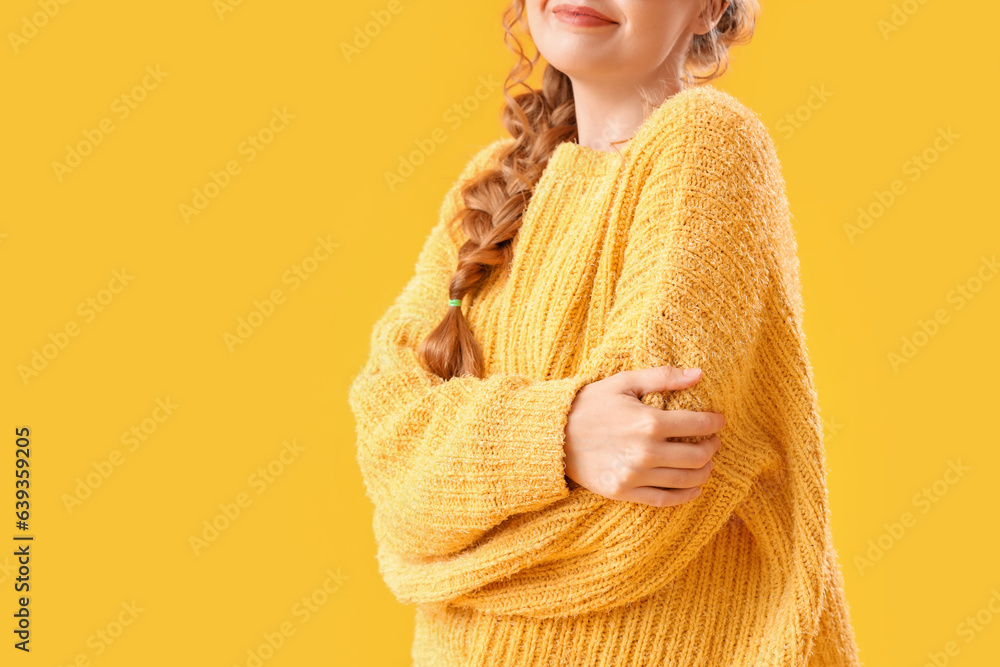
677,250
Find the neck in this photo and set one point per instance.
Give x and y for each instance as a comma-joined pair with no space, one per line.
609,110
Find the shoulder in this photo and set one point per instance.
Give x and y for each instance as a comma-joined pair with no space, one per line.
712,167
708,103
705,124
482,158
705,142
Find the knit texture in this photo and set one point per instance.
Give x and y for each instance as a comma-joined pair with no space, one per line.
677,250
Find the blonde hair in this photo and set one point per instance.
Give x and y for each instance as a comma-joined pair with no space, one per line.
710,51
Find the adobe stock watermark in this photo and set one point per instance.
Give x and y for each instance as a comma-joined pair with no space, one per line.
303,610
59,340
223,7
7,569
914,167
295,276
924,500
259,481
104,637
958,296
830,427
133,438
453,118
899,16
802,114
32,23
967,629
121,108
249,149
364,34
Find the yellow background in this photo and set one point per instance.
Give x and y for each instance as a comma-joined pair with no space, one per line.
891,432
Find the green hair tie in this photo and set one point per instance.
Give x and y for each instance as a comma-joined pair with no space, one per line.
455,302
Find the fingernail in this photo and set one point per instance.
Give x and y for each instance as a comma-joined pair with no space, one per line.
691,372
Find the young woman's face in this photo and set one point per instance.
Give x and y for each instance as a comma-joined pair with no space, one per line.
642,39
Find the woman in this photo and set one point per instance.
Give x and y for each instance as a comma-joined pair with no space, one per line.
550,488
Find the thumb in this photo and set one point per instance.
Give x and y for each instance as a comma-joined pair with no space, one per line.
658,378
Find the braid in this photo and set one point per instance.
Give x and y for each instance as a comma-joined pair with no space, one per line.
495,200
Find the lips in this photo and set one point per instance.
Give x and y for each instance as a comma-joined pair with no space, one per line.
580,11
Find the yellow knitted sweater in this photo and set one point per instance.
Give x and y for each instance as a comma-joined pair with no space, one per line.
678,250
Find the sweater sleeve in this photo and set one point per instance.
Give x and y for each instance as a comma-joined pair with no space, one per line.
700,285
445,461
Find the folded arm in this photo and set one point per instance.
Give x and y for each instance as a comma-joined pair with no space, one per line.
695,289
445,461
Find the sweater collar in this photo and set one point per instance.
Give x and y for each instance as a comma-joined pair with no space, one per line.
571,155
576,157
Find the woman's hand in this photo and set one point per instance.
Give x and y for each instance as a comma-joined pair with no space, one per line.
618,447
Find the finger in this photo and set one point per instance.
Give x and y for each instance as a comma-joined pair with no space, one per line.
684,423
657,497
675,478
644,381
681,454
